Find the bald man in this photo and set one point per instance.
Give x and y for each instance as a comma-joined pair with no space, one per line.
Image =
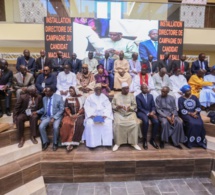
42,61
27,61
22,81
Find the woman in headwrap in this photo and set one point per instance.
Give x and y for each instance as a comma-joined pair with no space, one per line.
72,123
189,111
102,77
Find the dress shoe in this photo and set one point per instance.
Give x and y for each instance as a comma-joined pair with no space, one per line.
136,147
1,114
145,145
33,139
45,146
179,147
152,142
55,147
21,143
69,148
162,145
115,148
8,112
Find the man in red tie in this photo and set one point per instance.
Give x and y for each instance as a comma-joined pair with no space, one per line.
183,66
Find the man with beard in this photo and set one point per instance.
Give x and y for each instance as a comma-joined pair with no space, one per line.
27,61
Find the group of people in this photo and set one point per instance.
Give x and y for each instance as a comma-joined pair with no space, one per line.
72,96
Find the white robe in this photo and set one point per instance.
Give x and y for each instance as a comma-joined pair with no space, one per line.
207,95
160,82
64,81
177,83
98,134
135,86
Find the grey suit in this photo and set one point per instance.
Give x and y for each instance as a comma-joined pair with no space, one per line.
57,113
18,82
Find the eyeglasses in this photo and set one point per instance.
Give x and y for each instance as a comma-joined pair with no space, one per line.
45,70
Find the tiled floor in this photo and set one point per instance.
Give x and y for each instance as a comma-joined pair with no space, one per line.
187,186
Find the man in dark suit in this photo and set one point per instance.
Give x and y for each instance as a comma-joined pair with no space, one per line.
183,66
145,112
58,63
152,65
108,64
166,63
201,63
149,47
47,79
74,63
25,105
26,60
42,61
6,79
52,113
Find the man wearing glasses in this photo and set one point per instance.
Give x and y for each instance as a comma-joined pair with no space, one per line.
46,79
116,43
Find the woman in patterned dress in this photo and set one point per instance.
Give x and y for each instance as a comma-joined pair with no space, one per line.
189,111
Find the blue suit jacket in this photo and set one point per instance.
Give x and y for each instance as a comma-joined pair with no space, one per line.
195,66
31,65
110,64
57,107
144,107
147,48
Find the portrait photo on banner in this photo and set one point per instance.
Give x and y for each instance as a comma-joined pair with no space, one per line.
129,36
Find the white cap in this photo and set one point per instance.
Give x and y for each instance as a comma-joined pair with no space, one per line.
124,84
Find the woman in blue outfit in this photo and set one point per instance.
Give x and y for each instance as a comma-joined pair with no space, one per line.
189,111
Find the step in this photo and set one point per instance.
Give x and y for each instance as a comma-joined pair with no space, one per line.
210,129
210,142
12,153
34,187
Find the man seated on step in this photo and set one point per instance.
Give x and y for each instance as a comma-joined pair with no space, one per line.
125,120
146,111
22,81
6,78
171,124
25,106
52,113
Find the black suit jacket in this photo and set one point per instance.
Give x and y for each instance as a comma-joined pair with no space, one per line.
30,64
162,64
57,67
48,62
195,66
154,67
186,66
6,78
75,67
144,107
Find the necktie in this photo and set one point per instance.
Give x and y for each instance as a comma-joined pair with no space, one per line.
23,79
145,96
49,107
156,45
202,65
182,67
106,61
42,62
